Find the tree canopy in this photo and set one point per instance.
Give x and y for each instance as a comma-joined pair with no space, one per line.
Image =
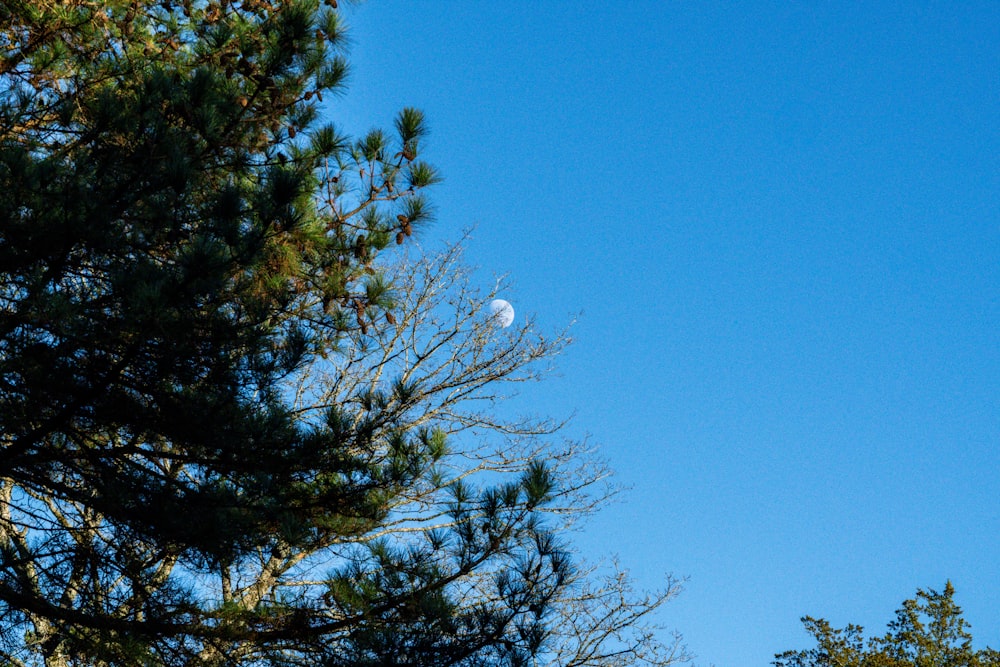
928,631
240,423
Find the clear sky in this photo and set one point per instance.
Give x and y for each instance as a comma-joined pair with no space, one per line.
781,224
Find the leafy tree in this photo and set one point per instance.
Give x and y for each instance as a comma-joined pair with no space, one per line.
928,631
232,429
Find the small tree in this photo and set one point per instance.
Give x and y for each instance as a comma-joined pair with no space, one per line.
232,431
928,631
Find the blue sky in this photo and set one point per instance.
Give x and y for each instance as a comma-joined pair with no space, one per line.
781,225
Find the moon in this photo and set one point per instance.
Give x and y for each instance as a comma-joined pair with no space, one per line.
502,312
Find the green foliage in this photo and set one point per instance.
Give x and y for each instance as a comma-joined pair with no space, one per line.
227,419
162,255
928,631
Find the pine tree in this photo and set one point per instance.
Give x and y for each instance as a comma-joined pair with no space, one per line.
928,631
235,427
165,256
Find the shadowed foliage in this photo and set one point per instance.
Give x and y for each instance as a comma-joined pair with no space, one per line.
237,425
